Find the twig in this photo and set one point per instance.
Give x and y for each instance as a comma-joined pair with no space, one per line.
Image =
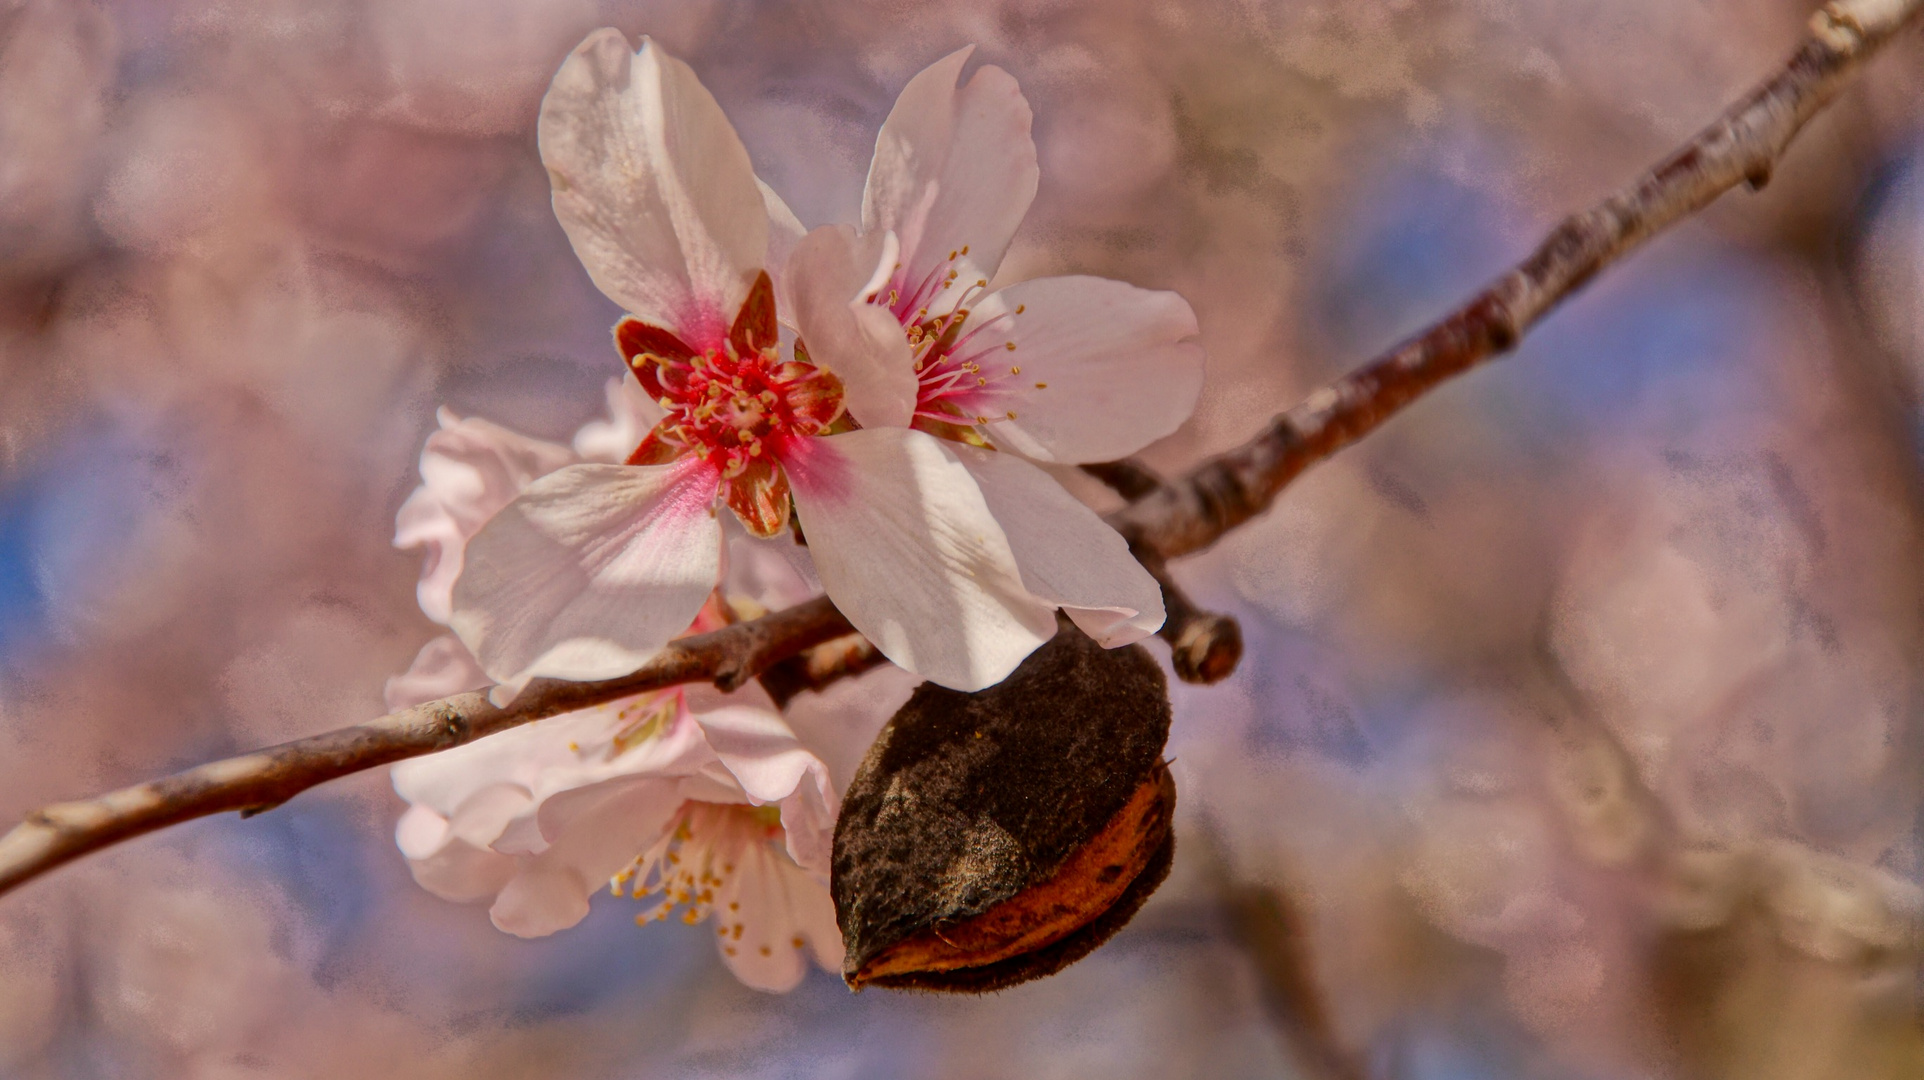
1128,478
266,778
1741,147
1204,646
1172,520
820,666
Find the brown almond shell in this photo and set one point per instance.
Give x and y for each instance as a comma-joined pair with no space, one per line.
966,801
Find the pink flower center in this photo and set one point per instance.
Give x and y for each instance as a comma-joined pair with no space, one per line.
732,403
959,366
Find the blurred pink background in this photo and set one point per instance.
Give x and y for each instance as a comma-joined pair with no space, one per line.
1578,734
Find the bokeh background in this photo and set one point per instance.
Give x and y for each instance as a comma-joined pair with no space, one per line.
1578,734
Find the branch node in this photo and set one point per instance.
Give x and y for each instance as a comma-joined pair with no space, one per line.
1128,477
1207,648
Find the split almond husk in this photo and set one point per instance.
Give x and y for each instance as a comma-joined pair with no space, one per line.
996,837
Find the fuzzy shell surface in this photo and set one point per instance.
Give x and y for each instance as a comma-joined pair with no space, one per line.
965,800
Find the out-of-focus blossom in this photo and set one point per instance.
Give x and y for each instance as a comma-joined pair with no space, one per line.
56,67
950,557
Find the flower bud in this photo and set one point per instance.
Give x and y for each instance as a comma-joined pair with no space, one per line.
996,837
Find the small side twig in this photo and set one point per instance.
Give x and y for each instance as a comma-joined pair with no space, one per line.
1128,478
1171,520
817,668
1204,646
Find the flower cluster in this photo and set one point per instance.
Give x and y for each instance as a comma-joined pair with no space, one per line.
864,380
862,386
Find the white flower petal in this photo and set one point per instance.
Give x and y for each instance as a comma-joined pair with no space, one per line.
444,667
1105,367
781,913
630,417
462,873
653,186
831,274
774,573
953,168
550,891
909,550
771,765
470,469
590,571
1069,557
421,832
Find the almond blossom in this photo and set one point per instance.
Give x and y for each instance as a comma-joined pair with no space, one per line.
951,557
1062,370
702,804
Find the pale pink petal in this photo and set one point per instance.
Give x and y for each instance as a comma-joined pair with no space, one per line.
782,915
489,793
1100,368
839,722
444,667
1069,557
953,168
653,186
831,275
421,832
516,758
630,417
620,743
908,549
470,469
550,891
591,571
462,873
772,766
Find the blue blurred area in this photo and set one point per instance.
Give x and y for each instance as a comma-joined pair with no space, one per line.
1424,241
64,519
22,605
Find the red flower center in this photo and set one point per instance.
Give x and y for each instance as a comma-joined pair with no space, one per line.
736,405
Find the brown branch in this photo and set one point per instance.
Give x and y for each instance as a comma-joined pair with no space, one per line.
846,656
1128,478
1741,147
1168,521
266,778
